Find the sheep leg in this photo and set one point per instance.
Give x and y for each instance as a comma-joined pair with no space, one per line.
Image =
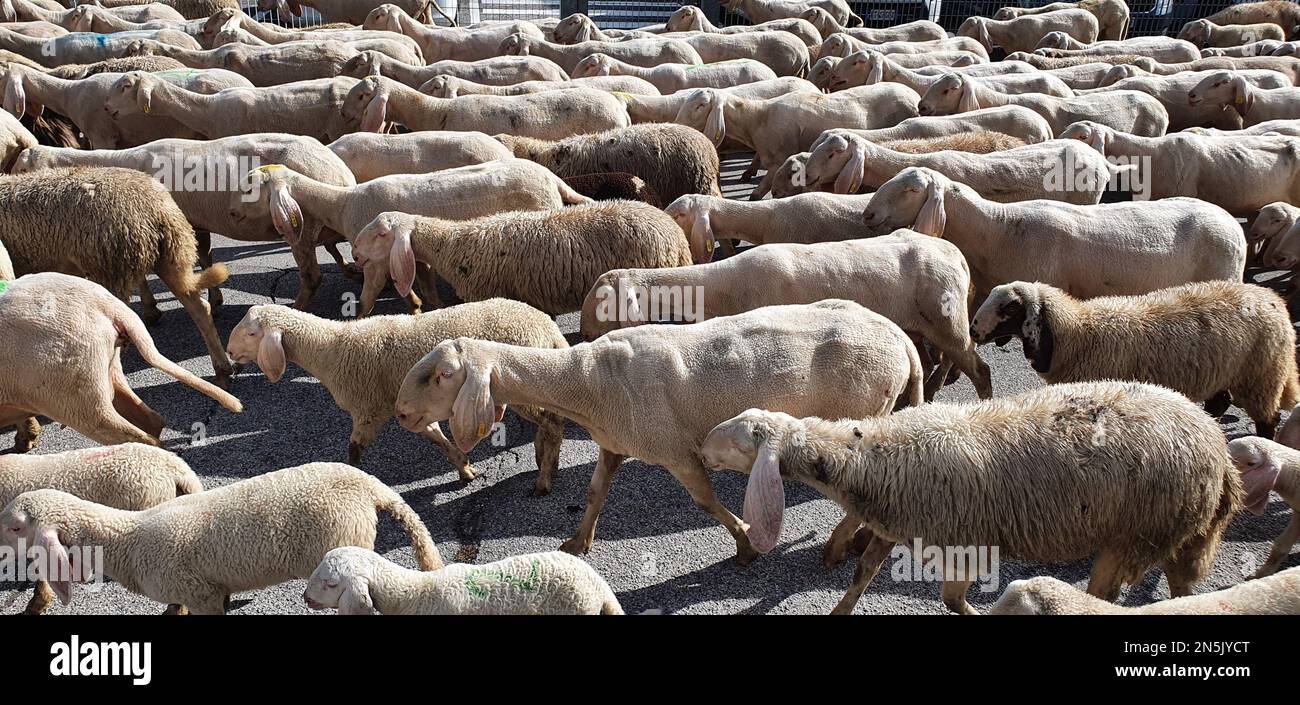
457,458
26,433
546,446
1281,548
696,481
974,367
202,317
42,598
763,188
1218,404
1105,580
130,406
364,431
175,610
752,170
872,558
309,276
204,240
837,547
597,490
149,312
428,286
350,270
938,376
953,594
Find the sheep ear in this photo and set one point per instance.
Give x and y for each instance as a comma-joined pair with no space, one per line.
144,96
931,220
715,126
401,261
375,113
968,100
850,178
270,354
982,35
356,598
1258,481
286,216
56,562
7,12
765,498
1036,331
602,68
472,414
702,232
877,70
1243,95
634,313
15,100
1098,141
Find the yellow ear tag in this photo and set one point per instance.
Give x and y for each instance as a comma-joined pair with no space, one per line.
708,246
482,429
144,109
1240,100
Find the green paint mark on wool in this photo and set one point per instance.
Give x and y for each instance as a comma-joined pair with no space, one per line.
4,286
479,582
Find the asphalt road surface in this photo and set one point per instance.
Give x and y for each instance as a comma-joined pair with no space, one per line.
659,552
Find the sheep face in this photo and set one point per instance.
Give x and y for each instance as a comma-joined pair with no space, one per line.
1088,132
514,45
385,17
389,236
945,97
1054,40
440,87
1222,88
686,18
1259,467
857,69
252,341
1197,32
593,65
342,581
367,63
751,443
1272,220
704,111
837,159
692,215
838,44
24,520
791,178
1022,596
572,29
912,199
451,383
131,94
217,21
823,71
820,19
367,104
1016,310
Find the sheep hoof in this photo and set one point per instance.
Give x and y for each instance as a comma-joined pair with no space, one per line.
176,610
223,378
466,474
539,491
215,299
745,554
150,316
576,546
833,554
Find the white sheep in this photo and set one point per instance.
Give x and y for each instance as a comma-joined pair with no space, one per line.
1267,466
1068,340
503,254
1160,49
196,551
1127,110
1015,120
1111,248
369,155
442,43
806,218
1025,32
1240,175
126,476
1255,105
1272,235
641,52
359,581
931,303
670,78
1112,15
1278,594
654,392
917,31
362,363
1204,33
1130,474
445,86
497,71
868,67
1184,107
758,11
689,18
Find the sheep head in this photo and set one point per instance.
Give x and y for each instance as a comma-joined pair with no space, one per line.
752,443
838,155
976,28
838,44
388,237
255,339
574,29
367,63
914,199
453,382
705,110
821,19
1197,32
268,189
823,72
1090,133
39,519
82,19
15,93
791,178
593,65
860,68
612,289
386,17
1284,253
441,86
342,580
220,20
1258,461
1223,88
516,44
686,18
1271,221
951,94
1019,310
1054,40
691,214
367,103
132,93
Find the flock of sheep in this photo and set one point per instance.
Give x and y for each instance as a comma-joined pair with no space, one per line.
924,199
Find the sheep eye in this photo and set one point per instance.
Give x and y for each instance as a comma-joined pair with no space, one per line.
331,586
445,374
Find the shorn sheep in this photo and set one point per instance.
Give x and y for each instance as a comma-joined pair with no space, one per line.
806,217
195,551
546,259
358,581
126,476
1280,12
653,392
1143,471
1267,466
1160,338
1112,248
113,226
1112,15
362,363
931,303
673,159
69,329
1278,594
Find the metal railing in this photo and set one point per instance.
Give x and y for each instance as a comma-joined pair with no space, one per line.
1148,17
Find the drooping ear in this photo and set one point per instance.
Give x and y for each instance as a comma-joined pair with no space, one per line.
1243,96
1098,140
376,112
968,100
472,413
633,304
1258,481
355,598
144,95
286,215
1036,331
15,100
602,67
982,34
270,354
702,232
401,261
877,73
7,12
764,507
715,125
56,569
850,178
394,23
932,219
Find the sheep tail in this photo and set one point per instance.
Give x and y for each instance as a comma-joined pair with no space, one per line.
188,483
213,276
569,196
805,67
609,604
129,325
916,377
426,551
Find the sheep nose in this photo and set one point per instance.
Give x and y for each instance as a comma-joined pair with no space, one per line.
923,109
402,417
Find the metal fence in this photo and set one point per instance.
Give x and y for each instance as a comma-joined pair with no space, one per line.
1148,17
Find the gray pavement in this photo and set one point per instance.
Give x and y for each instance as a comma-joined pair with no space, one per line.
659,552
